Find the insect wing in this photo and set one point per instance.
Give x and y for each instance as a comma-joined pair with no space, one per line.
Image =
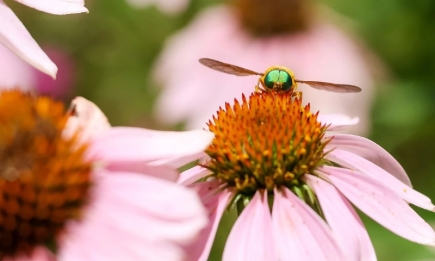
332,87
227,68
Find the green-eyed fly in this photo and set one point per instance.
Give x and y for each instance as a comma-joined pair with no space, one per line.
277,78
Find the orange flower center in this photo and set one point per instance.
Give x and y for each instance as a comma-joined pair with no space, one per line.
267,141
44,179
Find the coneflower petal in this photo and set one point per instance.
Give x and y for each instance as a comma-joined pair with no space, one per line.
353,161
57,7
136,212
216,203
251,237
337,121
140,146
380,203
193,174
371,151
16,38
299,232
346,226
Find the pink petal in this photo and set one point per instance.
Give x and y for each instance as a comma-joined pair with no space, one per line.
87,118
15,72
251,237
162,172
380,203
177,162
135,217
102,242
343,220
371,151
40,253
216,204
299,232
353,161
193,174
337,121
176,211
58,7
121,147
14,36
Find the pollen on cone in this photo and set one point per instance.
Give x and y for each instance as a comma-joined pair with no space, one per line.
267,140
43,177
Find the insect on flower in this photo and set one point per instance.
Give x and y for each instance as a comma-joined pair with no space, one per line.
277,78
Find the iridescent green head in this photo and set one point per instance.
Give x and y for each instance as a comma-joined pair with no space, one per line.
278,80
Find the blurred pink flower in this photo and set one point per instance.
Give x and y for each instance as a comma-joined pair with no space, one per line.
16,73
63,85
14,35
166,6
268,149
323,52
134,210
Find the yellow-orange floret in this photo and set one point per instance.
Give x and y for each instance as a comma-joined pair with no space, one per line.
44,178
267,141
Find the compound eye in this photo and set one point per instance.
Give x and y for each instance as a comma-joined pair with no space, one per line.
286,81
271,78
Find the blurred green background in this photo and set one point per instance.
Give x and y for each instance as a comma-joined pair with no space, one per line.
114,47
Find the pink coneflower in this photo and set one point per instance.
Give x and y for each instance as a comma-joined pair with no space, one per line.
293,183
14,35
61,87
257,34
106,195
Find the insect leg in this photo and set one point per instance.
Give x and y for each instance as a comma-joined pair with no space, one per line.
297,95
259,89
